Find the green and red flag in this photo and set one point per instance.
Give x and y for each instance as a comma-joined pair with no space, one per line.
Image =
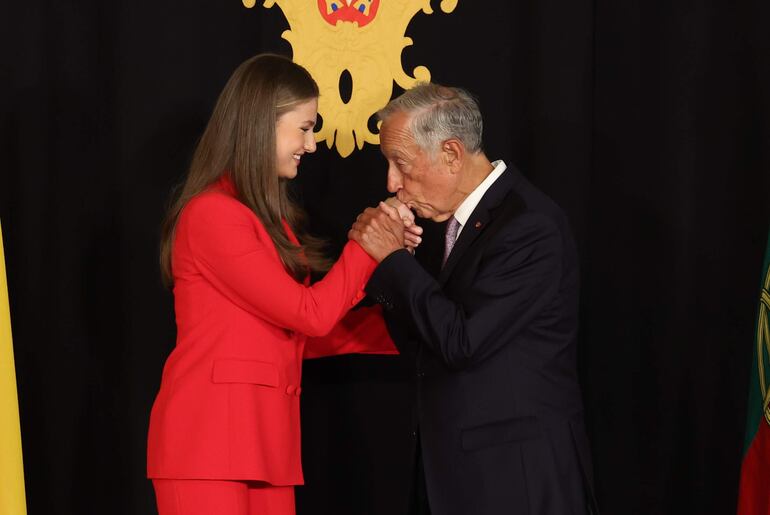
754,490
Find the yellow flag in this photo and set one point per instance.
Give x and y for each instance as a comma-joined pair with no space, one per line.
12,499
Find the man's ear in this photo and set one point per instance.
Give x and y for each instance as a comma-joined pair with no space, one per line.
453,153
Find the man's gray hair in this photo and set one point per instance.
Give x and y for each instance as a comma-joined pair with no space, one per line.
439,113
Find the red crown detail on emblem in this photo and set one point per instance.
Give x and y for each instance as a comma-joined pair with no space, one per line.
359,11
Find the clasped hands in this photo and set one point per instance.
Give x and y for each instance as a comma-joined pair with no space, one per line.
385,229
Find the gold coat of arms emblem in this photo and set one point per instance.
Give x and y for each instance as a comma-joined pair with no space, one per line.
362,38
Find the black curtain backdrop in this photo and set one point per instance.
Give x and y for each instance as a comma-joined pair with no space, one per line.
646,121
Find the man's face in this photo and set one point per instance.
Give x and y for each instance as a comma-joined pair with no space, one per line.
420,181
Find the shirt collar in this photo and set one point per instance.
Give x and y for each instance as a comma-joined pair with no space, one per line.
464,212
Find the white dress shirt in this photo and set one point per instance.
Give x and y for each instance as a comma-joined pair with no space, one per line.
465,210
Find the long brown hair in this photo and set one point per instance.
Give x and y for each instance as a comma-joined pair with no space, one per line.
240,140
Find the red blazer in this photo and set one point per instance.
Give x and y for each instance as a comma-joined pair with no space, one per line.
228,405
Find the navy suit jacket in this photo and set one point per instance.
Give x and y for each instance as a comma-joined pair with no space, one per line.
494,340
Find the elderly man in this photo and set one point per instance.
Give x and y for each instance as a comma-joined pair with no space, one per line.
498,403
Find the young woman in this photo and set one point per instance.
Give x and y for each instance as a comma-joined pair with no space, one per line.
224,431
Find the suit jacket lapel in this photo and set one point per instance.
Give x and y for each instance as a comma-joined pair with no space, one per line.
480,219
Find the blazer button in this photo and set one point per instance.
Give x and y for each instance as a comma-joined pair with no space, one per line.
290,389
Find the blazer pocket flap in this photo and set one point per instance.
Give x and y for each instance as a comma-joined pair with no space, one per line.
243,371
501,432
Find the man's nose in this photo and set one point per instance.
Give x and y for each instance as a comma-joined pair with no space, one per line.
394,181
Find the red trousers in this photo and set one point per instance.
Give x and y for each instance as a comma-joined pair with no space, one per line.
210,497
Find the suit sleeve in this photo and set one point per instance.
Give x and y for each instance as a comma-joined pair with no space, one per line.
233,256
517,279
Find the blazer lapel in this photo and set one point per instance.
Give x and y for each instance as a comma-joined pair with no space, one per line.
479,220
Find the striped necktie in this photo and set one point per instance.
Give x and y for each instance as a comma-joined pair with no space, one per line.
452,228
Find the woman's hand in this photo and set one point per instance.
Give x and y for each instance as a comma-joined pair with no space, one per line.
397,210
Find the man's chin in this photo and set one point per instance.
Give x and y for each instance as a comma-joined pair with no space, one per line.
429,213
441,217
420,211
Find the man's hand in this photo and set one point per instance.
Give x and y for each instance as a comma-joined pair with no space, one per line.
398,210
378,233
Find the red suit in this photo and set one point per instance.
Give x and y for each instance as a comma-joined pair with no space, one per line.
228,406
